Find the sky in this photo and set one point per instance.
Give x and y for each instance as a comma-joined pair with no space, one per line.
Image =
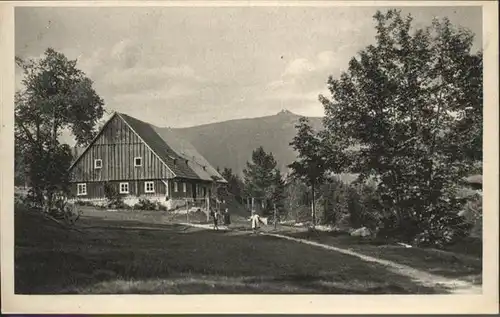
179,67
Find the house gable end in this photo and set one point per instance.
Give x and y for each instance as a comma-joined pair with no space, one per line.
117,146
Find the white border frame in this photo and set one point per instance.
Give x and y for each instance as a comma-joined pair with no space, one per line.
234,304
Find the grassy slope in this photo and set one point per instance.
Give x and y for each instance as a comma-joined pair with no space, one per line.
176,259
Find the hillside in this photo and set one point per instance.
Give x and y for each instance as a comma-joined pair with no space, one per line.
230,143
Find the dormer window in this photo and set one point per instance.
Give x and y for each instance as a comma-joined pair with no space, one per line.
137,161
97,164
204,168
187,162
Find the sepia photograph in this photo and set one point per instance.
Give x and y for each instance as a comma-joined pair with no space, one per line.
196,150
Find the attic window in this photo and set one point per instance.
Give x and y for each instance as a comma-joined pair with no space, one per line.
204,168
137,161
187,162
98,163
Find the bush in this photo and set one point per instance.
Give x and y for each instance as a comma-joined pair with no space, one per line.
333,202
365,208
114,199
84,203
358,204
303,214
145,204
473,214
160,207
445,231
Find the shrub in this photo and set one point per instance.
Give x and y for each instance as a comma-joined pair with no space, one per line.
365,208
113,196
473,214
145,204
303,214
333,201
446,230
160,207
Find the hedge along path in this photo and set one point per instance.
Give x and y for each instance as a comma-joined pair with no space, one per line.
456,286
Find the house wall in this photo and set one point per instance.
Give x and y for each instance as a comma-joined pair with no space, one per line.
190,188
117,146
96,192
136,188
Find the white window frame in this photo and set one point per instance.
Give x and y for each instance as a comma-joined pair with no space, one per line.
123,191
146,187
135,161
184,187
176,187
81,189
95,164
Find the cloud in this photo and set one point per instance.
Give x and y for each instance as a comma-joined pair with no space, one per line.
147,78
304,79
161,94
299,66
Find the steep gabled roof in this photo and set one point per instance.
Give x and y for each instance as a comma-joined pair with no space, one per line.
170,148
146,132
188,152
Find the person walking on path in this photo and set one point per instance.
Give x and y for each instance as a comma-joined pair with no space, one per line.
227,219
215,217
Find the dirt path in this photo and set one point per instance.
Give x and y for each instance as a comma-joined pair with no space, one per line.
431,280
455,286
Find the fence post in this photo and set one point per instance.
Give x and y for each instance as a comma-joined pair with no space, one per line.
208,209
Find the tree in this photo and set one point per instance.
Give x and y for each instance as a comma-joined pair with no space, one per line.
55,96
235,184
412,106
262,178
310,163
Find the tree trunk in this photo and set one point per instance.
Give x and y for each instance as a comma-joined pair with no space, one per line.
275,217
313,204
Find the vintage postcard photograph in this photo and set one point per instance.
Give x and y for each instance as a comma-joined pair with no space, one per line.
248,149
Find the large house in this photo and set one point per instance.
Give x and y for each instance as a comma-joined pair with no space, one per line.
141,160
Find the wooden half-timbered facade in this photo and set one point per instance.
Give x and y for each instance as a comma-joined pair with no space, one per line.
141,160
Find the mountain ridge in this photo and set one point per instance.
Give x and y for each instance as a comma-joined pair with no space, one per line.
230,143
